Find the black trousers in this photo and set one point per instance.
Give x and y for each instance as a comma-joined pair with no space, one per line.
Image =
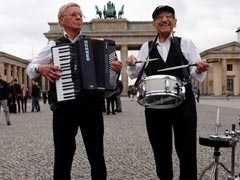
24,104
160,126
111,100
66,121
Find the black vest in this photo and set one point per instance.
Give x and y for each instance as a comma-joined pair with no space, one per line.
175,58
92,98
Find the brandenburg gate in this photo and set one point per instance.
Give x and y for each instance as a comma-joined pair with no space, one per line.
127,35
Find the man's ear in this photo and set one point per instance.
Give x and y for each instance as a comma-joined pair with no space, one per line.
60,21
174,23
153,23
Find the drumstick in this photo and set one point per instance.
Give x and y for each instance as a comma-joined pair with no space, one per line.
147,60
183,66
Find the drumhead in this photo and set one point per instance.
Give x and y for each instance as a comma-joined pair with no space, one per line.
161,92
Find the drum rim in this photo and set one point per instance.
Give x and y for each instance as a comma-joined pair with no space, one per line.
157,76
152,93
143,102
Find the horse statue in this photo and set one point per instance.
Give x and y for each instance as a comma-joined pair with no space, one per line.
110,12
98,12
120,12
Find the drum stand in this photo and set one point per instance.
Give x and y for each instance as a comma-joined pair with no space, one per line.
218,142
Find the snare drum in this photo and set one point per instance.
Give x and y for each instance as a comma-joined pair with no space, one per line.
161,92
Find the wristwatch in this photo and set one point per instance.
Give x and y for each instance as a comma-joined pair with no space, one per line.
36,68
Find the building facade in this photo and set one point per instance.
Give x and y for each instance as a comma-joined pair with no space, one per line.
223,77
12,67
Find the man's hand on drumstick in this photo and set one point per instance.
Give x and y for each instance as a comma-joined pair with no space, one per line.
131,60
202,66
51,72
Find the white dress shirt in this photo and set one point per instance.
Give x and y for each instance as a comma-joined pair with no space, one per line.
188,49
44,57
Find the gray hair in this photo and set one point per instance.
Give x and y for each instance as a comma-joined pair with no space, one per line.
63,8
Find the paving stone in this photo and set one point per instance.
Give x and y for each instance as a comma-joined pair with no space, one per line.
26,147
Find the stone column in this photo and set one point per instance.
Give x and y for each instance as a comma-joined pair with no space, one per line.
205,84
124,56
237,79
224,76
217,78
25,81
20,75
14,72
8,73
2,70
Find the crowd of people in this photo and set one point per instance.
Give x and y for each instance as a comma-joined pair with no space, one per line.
14,97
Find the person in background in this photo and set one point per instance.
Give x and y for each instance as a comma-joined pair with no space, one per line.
111,99
118,96
36,93
4,92
16,89
181,120
25,95
15,96
196,92
44,97
84,112
129,91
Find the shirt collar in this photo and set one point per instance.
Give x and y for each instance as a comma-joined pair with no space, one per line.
72,40
168,40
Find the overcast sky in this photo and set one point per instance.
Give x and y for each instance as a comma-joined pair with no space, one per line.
208,23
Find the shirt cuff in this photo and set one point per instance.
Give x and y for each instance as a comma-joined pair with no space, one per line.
32,71
199,76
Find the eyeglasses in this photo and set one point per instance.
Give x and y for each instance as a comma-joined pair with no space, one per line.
74,14
167,16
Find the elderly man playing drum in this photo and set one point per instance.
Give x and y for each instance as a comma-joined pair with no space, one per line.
167,95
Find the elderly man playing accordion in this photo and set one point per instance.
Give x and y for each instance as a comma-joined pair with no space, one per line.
84,112
164,52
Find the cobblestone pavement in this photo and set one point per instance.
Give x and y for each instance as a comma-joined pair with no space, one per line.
26,147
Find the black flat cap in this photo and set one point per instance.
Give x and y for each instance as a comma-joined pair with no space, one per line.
163,8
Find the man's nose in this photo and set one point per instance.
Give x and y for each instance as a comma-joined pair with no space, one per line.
164,18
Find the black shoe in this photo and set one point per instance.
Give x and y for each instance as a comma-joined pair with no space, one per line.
113,113
8,123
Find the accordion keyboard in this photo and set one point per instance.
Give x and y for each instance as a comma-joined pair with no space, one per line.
65,86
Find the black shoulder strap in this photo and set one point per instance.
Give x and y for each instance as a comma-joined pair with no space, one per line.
145,63
62,40
150,44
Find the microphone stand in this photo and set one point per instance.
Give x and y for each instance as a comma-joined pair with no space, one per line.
218,124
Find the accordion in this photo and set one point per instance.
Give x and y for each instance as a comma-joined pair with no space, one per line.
85,65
